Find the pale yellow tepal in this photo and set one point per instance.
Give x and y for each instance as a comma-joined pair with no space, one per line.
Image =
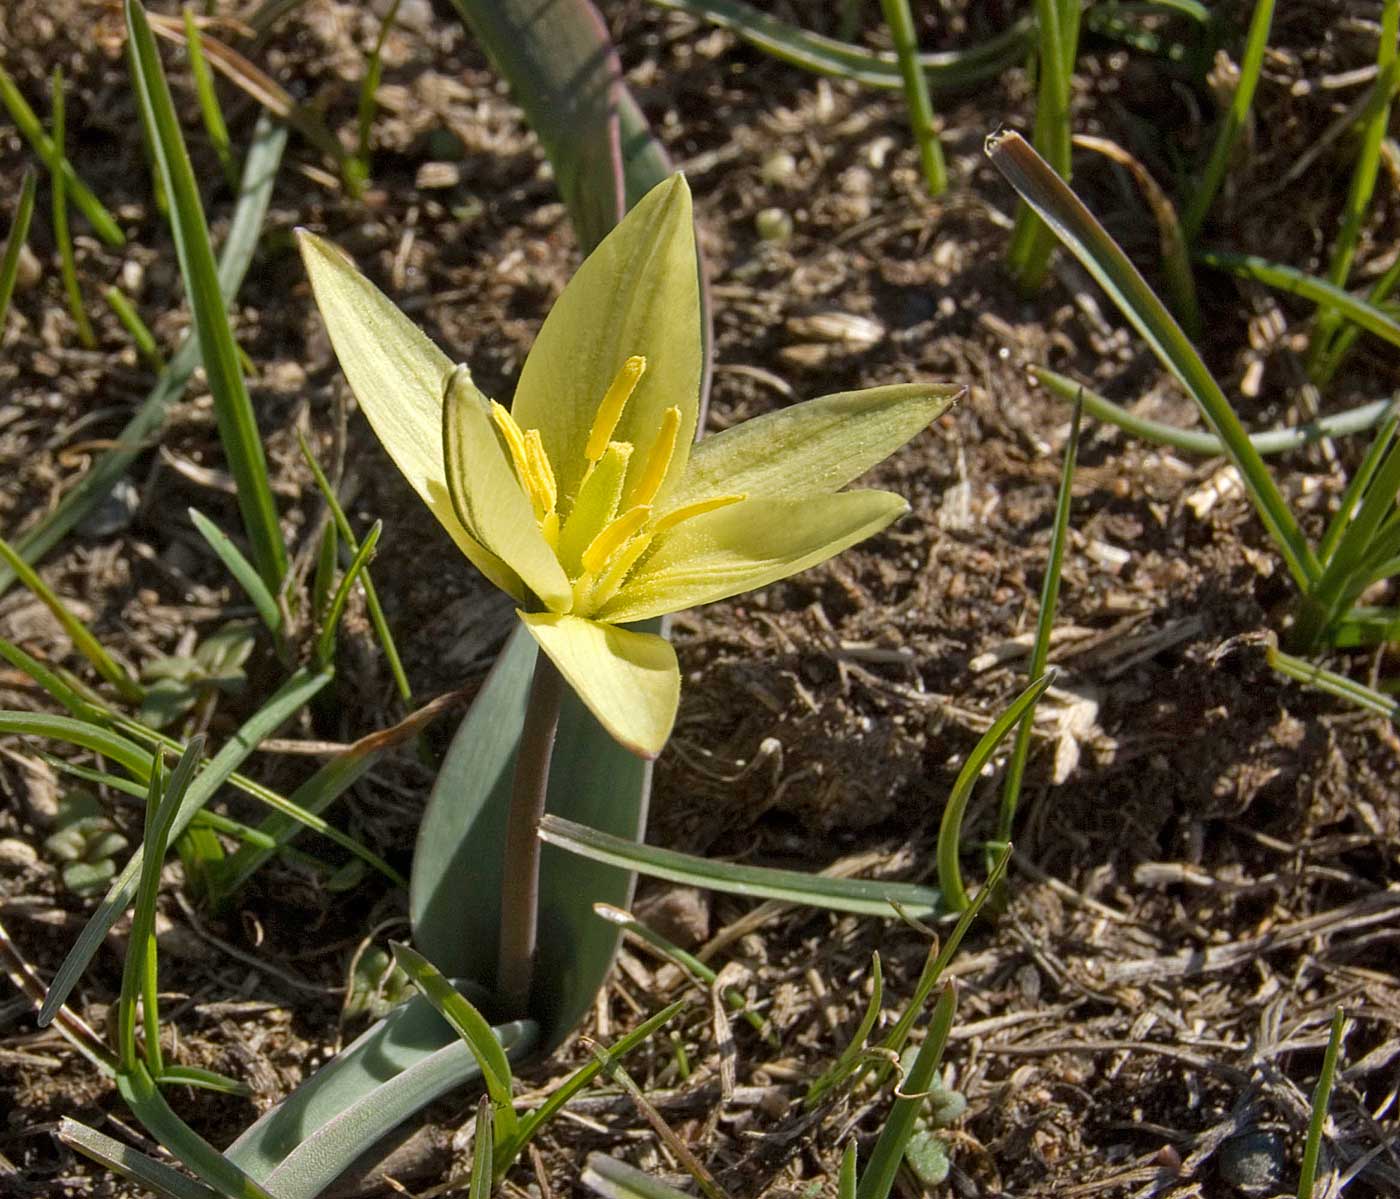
586,500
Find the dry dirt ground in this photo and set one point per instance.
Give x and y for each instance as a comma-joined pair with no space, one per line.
1206,853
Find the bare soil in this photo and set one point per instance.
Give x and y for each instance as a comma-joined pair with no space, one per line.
1206,854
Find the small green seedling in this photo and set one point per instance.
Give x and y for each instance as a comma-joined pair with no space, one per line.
86,841
177,683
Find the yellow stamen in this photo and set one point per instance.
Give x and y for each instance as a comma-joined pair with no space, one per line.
539,487
617,573
610,410
540,470
658,461
549,526
613,537
698,508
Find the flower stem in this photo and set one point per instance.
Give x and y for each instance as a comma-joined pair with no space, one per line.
520,881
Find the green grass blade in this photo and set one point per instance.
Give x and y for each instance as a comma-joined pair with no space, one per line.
877,1178
950,70
203,1080
612,1179
325,644
916,97
28,124
846,1181
326,784
473,1028
950,828
865,897
1273,441
846,1064
1252,62
532,1122
158,1178
113,746
67,262
162,803
1057,23
1321,1097
238,428
208,97
1045,624
483,1151
83,641
1345,574
1286,278
149,1105
1365,473
14,243
1312,675
323,579
938,961
289,699
241,569
1375,121
376,609
297,812
395,1068
259,175
1081,233
699,972
369,86
136,328
77,703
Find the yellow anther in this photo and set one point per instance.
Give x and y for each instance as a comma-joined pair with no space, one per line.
658,461
613,537
698,508
532,469
541,473
514,438
610,410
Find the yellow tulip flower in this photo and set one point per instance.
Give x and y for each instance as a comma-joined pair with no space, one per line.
586,500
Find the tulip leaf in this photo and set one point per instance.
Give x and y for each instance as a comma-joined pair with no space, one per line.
456,887
395,1068
158,1178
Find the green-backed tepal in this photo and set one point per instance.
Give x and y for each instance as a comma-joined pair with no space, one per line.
586,500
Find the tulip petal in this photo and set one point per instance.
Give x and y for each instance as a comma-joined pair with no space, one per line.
636,294
397,376
629,681
487,495
817,446
747,545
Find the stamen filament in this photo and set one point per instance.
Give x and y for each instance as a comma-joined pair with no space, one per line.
698,508
613,537
617,573
658,461
610,410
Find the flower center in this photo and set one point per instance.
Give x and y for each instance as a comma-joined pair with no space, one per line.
609,522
